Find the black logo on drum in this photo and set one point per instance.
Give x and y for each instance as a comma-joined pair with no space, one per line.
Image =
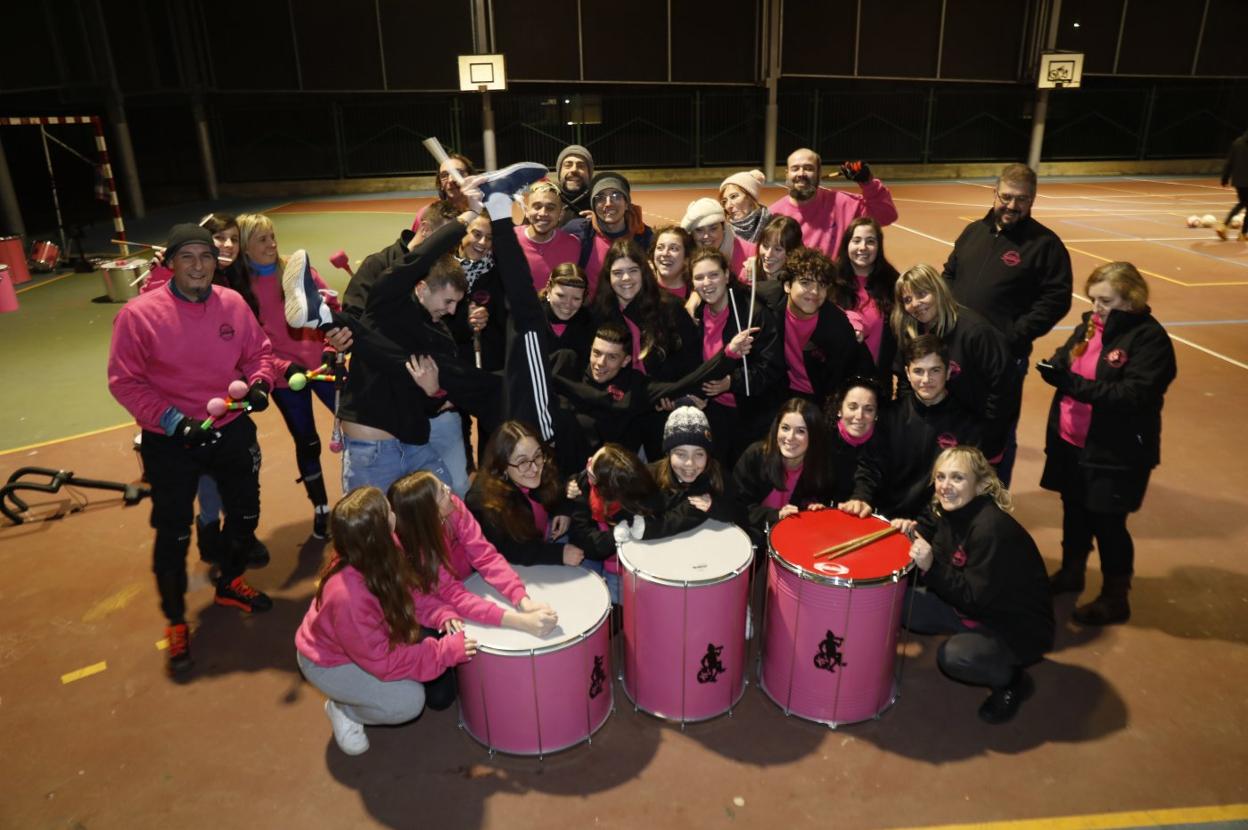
597,678
829,655
711,667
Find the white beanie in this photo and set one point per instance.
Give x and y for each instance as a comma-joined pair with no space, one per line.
704,211
750,181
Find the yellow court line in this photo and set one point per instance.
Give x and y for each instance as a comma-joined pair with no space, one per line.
45,282
68,438
1109,821
86,671
1155,274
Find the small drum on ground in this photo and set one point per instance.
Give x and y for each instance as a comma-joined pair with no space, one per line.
44,255
685,601
8,297
122,279
830,636
528,695
13,254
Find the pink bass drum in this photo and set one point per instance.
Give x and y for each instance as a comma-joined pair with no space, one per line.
830,636
684,621
528,695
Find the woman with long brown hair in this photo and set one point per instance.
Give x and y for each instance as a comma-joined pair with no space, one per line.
361,641
517,498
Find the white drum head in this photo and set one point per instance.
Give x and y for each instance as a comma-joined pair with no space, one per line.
578,596
709,553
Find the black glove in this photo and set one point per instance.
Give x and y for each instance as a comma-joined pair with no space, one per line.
857,171
193,434
1052,375
258,395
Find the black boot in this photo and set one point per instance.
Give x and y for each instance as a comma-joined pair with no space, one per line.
1069,578
210,541
320,505
1110,608
1002,704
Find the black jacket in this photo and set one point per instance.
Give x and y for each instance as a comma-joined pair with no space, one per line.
766,359
986,565
1235,171
1019,278
894,473
752,484
534,552
831,356
578,334
584,532
684,344
676,514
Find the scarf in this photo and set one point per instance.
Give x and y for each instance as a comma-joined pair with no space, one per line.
599,510
748,229
475,269
851,440
633,225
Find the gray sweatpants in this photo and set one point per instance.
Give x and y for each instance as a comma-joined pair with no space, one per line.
364,698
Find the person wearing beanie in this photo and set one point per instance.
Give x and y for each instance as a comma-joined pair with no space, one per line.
740,194
822,213
573,170
691,481
614,217
172,350
706,222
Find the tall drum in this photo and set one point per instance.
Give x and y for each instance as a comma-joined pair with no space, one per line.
13,254
528,695
830,641
684,602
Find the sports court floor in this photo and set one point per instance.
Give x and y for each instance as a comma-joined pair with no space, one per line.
1137,725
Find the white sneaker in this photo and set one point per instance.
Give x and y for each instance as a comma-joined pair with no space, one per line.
348,734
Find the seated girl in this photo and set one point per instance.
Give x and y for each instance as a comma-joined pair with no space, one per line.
691,483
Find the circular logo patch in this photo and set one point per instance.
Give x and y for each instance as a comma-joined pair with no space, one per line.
1011,258
226,332
1116,358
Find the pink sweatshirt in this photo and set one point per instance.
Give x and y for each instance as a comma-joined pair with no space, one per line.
156,277
825,216
741,251
713,343
543,257
349,627
797,332
302,346
470,550
866,318
167,351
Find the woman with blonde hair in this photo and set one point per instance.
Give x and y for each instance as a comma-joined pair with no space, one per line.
1104,433
982,581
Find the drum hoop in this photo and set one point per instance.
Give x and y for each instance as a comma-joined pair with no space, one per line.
573,640
654,579
838,581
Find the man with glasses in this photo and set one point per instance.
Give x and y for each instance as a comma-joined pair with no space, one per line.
822,213
1016,272
615,217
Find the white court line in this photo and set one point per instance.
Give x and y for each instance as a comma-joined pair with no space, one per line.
1176,184
920,233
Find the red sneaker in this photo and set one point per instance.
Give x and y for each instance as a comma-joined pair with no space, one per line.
178,661
241,595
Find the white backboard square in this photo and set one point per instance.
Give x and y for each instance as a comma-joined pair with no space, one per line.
478,73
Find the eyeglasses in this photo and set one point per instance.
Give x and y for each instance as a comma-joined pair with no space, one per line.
1020,199
609,196
534,463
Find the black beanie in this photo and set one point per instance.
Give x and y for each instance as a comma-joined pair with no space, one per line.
184,234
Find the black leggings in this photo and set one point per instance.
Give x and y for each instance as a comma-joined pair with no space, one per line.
1241,202
1081,525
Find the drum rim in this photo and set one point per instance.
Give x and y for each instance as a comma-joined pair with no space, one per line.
838,581
655,579
573,640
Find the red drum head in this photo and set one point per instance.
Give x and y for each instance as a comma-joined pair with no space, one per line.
796,540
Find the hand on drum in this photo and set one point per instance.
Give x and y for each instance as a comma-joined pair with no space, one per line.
470,647
816,506
905,526
527,605
452,626
539,623
855,507
921,553
572,555
788,510
559,525
702,502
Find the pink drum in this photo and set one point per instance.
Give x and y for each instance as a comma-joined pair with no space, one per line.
44,255
13,254
830,641
685,601
529,695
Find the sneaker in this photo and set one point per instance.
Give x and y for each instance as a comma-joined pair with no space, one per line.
239,594
210,542
320,522
348,734
178,661
257,554
1002,705
512,179
305,307
1220,230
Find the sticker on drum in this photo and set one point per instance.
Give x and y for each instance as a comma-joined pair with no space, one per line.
684,603
831,627
528,695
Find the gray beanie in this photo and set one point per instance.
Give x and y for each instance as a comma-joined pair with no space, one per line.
575,150
185,234
686,426
609,181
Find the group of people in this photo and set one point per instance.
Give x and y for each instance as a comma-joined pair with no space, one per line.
629,382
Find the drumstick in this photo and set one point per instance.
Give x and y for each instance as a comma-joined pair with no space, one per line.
439,153
837,551
137,244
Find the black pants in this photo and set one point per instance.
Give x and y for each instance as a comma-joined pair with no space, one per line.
173,470
1113,541
976,656
1241,202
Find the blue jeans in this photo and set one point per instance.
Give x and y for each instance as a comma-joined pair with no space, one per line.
381,463
209,501
612,580
446,437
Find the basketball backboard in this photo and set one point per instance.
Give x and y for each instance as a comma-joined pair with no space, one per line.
1060,70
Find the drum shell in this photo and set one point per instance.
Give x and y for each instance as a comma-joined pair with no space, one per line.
669,630
44,255
121,279
13,254
541,701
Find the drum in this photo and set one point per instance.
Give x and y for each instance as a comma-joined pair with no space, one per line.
122,278
830,635
529,695
13,254
684,602
8,297
44,255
